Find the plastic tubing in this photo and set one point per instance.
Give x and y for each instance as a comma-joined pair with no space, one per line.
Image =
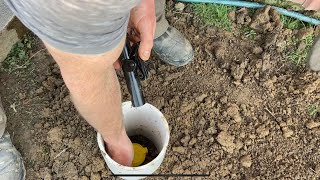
246,4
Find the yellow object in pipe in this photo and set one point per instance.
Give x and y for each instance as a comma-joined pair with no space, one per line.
140,153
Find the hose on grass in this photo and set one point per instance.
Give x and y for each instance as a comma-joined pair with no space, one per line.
246,4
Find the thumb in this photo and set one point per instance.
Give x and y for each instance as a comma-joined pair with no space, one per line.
117,65
146,36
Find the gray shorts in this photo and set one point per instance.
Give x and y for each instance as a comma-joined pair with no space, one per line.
76,26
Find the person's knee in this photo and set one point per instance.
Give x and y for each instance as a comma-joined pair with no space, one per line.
77,61
80,71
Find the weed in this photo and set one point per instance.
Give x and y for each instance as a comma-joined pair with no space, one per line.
18,57
289,22
214,14
298,56
314,110
248,32
292,23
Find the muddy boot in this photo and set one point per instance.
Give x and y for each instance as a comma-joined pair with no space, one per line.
11,164
173,48
314,58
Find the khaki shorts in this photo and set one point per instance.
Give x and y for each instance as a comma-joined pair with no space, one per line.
81,27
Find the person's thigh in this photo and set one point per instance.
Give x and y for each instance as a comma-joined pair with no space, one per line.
79,27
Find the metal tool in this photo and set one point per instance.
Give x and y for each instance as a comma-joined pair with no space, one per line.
134,70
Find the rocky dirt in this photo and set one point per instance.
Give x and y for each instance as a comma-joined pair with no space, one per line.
239,111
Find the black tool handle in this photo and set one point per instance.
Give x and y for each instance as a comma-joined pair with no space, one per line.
129,67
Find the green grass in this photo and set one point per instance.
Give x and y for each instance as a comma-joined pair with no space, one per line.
314,110
18,57
292,23
298,56
248,32
289,22
214,14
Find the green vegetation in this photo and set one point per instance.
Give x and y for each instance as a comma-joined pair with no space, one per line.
214,14
248,32
292,23
314,110
282,4
18,57
298,55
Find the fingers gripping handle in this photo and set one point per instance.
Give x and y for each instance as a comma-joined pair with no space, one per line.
131,65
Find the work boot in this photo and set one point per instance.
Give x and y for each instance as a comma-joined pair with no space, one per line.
314,57
11,164
173,48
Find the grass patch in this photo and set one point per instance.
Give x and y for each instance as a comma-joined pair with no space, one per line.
292,23
298,56
214,14
314,110
289,22
18,57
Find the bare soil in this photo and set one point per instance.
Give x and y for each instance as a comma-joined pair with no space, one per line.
239,111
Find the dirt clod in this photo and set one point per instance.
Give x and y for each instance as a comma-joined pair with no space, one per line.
55,135
180,150
242,16
211,130
246,161
227,141
201,97
95,176
287,132
233,111
98,165
179,6
312,124
262,131
84,178
257,50
261,20
192,142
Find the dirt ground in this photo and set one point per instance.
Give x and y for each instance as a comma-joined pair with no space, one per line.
239,111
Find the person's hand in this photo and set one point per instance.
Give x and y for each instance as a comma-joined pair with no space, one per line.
142,27
120,149
117,65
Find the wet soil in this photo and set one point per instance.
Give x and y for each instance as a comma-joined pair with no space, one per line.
239,111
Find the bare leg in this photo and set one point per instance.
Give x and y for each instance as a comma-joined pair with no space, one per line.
309,4
95,91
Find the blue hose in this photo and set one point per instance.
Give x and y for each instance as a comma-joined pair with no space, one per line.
238,3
